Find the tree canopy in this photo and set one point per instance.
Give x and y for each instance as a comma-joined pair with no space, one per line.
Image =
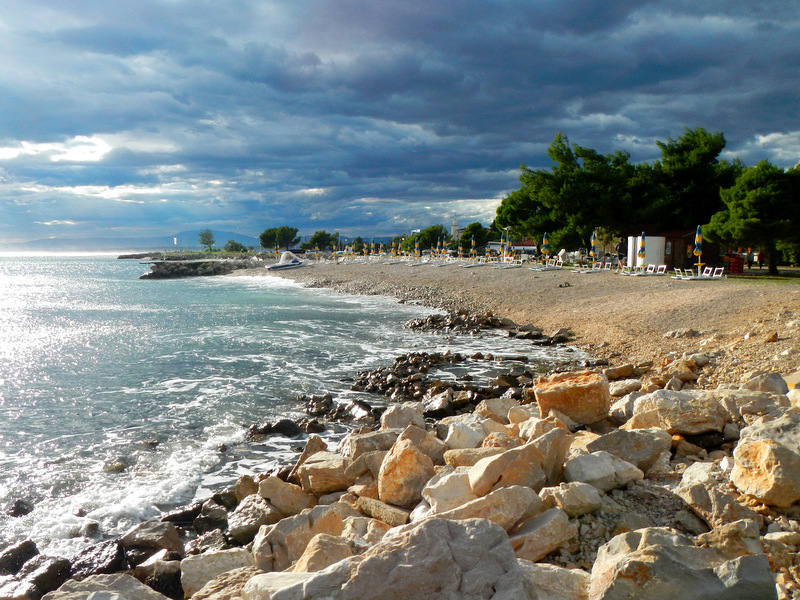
322,240
758,210
428,238
477,232
283,237
585,191
234,246
206,238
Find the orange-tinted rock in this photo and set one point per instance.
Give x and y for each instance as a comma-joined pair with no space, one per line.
583,396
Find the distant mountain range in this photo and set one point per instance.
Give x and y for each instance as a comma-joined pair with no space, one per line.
185,240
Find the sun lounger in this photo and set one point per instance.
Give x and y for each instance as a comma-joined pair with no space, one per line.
551,265
708,274
661,270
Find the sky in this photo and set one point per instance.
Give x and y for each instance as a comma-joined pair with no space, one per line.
132,119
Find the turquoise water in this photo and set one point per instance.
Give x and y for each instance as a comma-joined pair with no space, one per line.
116,393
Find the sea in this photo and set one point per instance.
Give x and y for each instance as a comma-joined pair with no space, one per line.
122,399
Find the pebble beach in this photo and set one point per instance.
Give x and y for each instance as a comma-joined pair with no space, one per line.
750,325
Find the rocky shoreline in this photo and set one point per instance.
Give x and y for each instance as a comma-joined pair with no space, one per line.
642,479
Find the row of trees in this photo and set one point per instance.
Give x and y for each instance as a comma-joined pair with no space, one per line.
585,191
280,237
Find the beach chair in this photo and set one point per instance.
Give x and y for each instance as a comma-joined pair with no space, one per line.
650,269
707,272
661,270
607,266
678,274
688,273
718,271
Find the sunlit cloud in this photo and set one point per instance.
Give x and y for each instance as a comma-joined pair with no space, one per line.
78,149
56,222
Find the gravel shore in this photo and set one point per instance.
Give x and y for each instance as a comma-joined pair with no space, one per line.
749,325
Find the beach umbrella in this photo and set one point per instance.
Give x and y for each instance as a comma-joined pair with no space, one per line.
460,250
593,250
698,242
473,251
382,249
698,247
545,245
416,247
640,254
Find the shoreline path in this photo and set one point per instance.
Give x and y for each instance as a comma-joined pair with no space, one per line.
748,325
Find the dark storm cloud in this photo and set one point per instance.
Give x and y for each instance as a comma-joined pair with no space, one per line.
363,117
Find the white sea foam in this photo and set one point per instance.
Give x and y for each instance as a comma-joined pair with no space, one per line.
118,395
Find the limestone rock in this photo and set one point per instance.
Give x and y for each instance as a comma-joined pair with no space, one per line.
519,414
154,535
557,583
313,445
687,413
199,569
640,447
618,372
468,457
436,559
324,472
622,409
582,396
539,536
602,470
773,383
227,586
447,490
322,551
355,444
496,408
733,540
624,387
554,447
767,460
269,586
426,442
109,586
703,488
748,405
381,511
365,531
252,512
575,498
468,430
287,498
519,466
276,547
536,427
244,486
501,440
403,474
768,471
659,564
505,506
400,416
